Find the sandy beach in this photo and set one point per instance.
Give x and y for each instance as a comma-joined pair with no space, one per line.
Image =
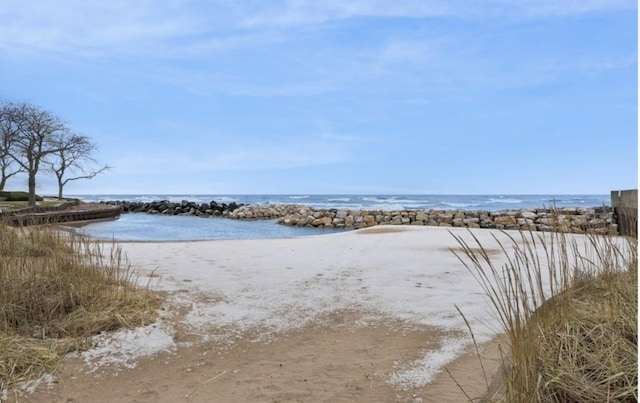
361,316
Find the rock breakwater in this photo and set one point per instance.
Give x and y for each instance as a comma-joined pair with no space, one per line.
600,220
166,207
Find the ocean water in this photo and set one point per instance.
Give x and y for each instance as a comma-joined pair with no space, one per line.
157,227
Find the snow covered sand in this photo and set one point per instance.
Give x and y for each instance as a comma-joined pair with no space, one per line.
295,320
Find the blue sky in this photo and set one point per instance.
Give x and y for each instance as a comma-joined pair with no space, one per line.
305,96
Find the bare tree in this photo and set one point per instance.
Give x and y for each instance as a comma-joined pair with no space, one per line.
8,165
33,138
73,155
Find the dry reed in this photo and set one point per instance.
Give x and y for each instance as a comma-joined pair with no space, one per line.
56,290
568,306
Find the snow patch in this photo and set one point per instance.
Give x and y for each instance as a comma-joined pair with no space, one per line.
420,372
124,347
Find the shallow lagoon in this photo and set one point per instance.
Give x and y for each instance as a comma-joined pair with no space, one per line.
155,227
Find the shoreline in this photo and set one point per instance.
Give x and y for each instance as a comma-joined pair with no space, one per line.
600,220
318,306
365,315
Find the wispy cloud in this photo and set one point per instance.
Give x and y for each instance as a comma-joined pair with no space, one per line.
190,26
552,8
246,154
88,27
287,48
306,12
289,13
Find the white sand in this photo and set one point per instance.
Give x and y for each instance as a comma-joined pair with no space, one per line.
275,285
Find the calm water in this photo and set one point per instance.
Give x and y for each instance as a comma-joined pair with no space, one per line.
157,227
153,227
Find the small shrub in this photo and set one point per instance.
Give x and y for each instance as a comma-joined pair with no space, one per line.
17,196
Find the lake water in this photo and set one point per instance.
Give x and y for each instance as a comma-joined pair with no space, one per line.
154,227
145,227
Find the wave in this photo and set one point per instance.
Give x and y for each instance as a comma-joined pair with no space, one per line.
578,200
386,207
409,201
341,206
299,197
223,199
504,200
458,205
373,198
392,199
147,198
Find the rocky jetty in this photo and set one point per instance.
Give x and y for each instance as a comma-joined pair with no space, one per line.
185,207
601,220
271,211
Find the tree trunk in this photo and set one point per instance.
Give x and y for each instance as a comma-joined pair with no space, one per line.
32,188
60,186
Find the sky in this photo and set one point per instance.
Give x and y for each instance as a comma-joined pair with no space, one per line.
334,97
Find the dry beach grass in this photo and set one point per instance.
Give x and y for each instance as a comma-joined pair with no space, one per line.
56,290
569,313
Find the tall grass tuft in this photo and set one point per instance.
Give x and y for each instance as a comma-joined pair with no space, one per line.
56,290
568,306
